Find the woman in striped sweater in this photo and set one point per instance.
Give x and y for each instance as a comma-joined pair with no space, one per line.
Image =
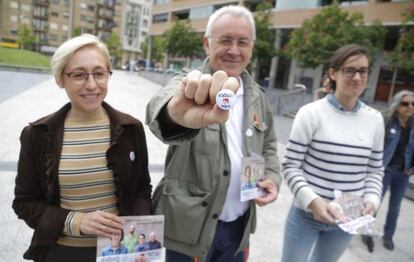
336,143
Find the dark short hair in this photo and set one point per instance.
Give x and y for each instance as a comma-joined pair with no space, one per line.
342,54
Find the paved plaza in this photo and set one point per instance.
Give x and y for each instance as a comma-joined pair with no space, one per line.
25,97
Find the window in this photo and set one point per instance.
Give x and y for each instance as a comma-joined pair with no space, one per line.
181,14
56,2
66,15
160,18
26,8
145,23
53,26
54,14
13,32
13,18
14,4
65,28
53,37
201,12
161,2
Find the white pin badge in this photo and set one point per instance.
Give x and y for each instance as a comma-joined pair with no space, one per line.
225,99
393,131
361,136
249,132
132,155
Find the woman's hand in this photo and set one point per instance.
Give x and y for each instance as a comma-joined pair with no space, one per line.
320,211
369,208
101,223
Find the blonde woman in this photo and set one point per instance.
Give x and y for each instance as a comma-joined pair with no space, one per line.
83,166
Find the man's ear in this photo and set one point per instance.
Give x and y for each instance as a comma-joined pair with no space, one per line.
206,45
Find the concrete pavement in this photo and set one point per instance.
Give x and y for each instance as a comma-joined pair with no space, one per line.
36,97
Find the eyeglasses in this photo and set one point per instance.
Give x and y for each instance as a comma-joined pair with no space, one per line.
80,77
228,42
405,104
349,72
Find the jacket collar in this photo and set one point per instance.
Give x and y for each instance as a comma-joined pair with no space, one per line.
57,119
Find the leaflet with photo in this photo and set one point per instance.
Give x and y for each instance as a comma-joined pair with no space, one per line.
252,172
140,241
357,223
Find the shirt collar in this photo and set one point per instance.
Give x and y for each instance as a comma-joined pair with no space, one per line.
333,101
240,91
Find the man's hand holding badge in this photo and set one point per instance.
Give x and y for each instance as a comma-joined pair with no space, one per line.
194,104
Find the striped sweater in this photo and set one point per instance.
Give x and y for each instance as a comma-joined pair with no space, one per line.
86,183
332,149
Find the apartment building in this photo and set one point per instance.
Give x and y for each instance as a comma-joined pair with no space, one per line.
288,15
54,21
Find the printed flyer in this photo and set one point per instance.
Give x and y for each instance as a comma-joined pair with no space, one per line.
140,241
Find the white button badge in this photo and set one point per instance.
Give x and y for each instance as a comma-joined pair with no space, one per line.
225,99
132,155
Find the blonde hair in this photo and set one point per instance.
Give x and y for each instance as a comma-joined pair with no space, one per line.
235,10
65,52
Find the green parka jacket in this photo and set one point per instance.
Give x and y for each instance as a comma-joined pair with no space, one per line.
197,169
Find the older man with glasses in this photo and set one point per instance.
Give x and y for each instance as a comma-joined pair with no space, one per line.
205,218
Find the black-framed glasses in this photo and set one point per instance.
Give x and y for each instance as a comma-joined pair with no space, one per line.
405,103
349,72
81,77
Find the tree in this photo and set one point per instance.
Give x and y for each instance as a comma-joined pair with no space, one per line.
113,42
181,40
156,48
264,45
402,56
265,38
317,39
77,31
25,37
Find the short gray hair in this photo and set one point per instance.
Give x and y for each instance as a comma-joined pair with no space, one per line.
235,10
65,52
398,98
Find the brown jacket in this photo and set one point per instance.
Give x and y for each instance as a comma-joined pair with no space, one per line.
37,197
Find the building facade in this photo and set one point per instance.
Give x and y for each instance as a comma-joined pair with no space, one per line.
54,21
288,15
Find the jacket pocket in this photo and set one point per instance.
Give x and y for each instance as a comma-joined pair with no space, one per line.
184,211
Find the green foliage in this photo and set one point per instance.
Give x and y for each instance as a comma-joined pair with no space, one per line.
25,38
265,38
113,42
157,48
9,56
403,54
77,31
317,39
181,40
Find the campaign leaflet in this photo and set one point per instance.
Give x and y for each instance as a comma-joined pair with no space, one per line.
251,173
356,223
140,241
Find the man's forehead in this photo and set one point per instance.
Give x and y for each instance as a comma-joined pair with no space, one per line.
225,26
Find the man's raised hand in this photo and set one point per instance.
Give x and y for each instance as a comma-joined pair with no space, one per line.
194,103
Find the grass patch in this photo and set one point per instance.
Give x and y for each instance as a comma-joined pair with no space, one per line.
25,58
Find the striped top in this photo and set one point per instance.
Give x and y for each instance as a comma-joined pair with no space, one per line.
331,149
86,184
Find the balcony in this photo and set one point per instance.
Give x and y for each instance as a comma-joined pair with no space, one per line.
41,2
